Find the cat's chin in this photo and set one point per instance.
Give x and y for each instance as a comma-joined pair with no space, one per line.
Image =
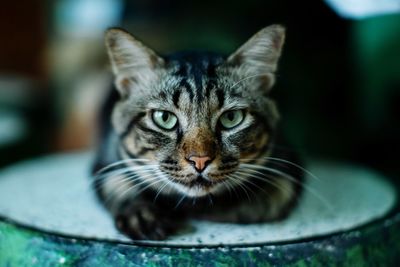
196,191
199,187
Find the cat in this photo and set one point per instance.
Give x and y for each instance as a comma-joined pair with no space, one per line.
193,135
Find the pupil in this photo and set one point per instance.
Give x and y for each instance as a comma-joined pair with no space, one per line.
231,116
165,116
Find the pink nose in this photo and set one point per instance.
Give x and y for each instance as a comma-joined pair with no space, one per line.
200,163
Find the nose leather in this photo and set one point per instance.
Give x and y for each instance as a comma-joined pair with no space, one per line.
200,163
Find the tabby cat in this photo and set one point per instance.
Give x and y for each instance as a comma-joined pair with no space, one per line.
193,135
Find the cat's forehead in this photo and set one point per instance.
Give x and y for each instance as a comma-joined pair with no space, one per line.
196,80
203,72
198,85
196,61
194,67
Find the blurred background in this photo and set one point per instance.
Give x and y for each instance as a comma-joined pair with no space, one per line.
338,84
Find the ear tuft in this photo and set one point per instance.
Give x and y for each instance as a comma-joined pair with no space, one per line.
130,59
260,54
277,35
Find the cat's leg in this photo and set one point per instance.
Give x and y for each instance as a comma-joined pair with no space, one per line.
272,202
261,203
135,215
274,187
141,219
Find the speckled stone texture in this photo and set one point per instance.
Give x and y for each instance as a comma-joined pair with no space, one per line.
51,217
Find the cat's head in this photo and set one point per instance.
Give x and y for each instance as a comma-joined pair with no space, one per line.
195,116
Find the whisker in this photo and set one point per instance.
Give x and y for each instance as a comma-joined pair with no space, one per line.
292,179
160,190
229,182
228,187
289,163
100,179
256,185
131,177
116,192
153,182
120,162
240,184
268,180
294,165
150,185
210,200
125,168
180,201
269,196
246,78
121,195
244,180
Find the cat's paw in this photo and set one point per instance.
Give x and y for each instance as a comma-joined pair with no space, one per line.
146,222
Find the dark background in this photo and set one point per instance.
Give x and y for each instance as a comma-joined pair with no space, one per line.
338,84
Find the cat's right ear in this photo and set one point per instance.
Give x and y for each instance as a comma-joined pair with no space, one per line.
131,61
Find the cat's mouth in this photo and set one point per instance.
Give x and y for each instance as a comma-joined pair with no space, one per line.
200,180
199,183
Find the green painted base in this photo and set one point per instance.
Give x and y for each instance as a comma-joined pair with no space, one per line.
376,244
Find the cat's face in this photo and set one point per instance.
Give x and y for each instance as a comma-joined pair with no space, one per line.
195,116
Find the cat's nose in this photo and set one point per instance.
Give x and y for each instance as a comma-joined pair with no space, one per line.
199,163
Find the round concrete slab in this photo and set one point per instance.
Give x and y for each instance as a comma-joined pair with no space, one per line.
51,216
54,194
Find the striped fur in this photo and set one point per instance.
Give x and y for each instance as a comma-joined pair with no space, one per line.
155,178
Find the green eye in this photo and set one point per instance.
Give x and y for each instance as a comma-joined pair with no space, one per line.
231,118
164,119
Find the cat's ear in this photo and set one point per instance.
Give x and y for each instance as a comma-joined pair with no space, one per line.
131,61
257,59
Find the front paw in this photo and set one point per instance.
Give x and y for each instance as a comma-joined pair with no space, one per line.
146,221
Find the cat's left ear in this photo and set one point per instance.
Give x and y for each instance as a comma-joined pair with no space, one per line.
132,62
258,57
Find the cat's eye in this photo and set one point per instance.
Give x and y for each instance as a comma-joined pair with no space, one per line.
231,118
164,119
